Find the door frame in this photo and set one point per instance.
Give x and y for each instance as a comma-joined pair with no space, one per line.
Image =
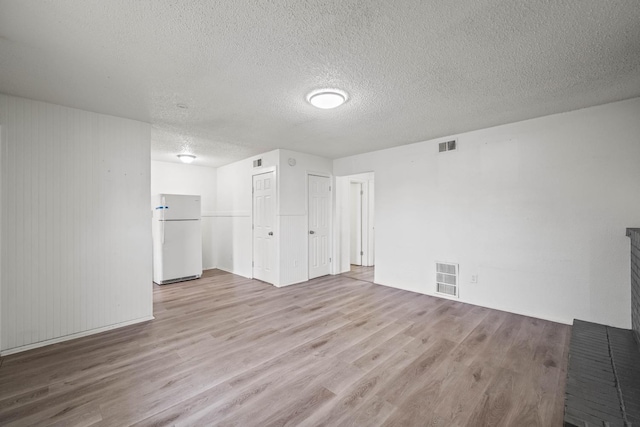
342,210
276,225
331,213
366,225
362,221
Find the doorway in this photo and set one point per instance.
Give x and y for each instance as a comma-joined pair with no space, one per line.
361,217
355,220
264,218
355,225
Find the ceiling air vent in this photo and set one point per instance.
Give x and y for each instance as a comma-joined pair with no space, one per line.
257,163
447,279
448,145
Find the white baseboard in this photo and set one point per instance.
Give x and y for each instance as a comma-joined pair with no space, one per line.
283,285
73,336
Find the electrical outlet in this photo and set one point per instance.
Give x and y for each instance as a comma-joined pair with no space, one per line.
474,278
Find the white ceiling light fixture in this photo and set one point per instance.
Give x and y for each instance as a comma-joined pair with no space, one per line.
186,158
327,98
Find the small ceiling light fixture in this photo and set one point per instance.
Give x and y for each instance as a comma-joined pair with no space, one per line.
186,158
327,98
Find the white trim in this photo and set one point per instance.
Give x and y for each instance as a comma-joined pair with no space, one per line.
263,169
323,174
284,285
362,221
74,336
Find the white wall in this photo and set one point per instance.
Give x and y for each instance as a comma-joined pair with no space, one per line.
176,178
76,228
234,247
293,213
537,209
233,215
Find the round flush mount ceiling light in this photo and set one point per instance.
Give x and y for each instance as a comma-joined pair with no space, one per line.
327,98
186,158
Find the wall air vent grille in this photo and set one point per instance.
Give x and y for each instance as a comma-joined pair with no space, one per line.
448,146
447,279
257,163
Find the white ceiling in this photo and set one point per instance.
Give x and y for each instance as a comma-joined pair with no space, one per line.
414,69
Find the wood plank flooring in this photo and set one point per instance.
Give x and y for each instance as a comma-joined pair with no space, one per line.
229,351
361,273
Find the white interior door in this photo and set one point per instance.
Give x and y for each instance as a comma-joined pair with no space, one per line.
264,218
355,213
319,226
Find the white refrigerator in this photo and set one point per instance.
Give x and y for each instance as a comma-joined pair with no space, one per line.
177,238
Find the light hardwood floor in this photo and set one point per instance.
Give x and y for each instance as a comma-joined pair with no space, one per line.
359,272
225,350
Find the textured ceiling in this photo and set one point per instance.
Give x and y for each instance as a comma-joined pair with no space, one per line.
414,69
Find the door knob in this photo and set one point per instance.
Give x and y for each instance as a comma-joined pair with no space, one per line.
312,232
271,233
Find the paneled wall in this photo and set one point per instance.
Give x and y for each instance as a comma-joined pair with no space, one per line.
76,230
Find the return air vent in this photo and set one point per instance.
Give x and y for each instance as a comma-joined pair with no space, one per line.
447,279
448,145
257,163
